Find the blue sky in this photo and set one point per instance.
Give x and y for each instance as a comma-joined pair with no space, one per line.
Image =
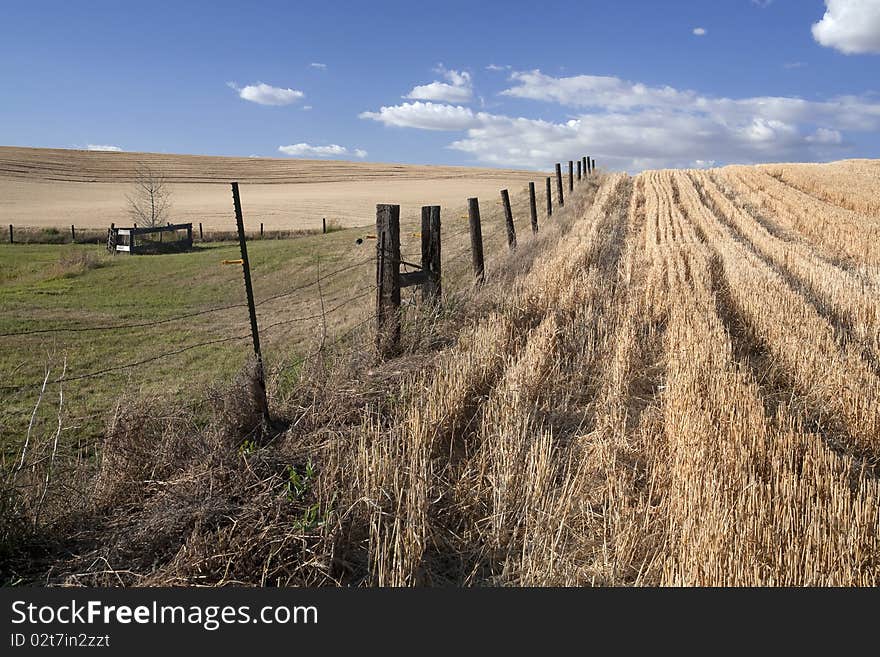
637,84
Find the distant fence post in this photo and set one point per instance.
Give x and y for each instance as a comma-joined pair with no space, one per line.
201,233
11,238
549,199
432,288
508,220
559,184
594,165
570,176
324,225
387,278
579,170
261,400
261,230
533,207
476,240
72,233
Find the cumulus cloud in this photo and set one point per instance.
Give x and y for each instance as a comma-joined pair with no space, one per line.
456,89
629,125
266,94
699,31
103,147
427,116
850,26
333,151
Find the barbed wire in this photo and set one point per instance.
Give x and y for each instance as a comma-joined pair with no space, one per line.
107,370
177,318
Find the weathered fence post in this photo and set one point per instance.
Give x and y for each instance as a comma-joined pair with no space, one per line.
579,170
11,238
72,233
533,207
585,167
201,233
570,176
508,220
594,165
432,288
559,184
324,225
476,239
549,200
261,230
261,400
387,278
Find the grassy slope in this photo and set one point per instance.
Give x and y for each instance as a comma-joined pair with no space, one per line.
37,290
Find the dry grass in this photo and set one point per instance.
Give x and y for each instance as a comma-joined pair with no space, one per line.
675,383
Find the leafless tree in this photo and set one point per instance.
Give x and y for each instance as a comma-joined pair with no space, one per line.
149,203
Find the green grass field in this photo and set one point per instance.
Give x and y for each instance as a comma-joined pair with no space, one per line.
65,286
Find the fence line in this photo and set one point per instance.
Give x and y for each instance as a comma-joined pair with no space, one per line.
386,256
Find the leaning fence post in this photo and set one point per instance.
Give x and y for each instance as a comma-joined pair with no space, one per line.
508,220
570,176
476,239
432,288
549,199
387,278
533,207
261,400
559,184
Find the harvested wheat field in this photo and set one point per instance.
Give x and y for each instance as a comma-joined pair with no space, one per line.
675,382
56,188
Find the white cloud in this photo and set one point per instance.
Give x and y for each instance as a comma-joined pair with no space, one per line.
850,26
629,125
318,65
457,89
763,4
306,108
699,31
427,116
332,151
825,136
495,67
265,94
103,147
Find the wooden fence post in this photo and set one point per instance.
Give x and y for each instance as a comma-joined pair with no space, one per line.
585,167
559,184
324,225
387,278
549,200
476,239
261,400
533,207
72,233
261,230
201,233
594,165
508,220
579,170
570,176
432,288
